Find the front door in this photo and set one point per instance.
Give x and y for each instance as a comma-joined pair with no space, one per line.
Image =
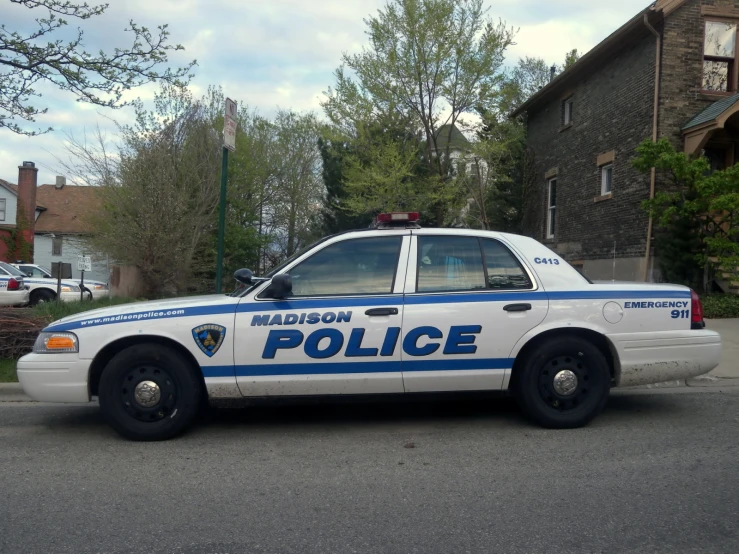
469,300
339,332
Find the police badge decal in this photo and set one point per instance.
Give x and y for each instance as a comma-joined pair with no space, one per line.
209,337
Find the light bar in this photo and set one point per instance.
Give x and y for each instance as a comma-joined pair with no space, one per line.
409,217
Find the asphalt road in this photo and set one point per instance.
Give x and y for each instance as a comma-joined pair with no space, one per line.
657,472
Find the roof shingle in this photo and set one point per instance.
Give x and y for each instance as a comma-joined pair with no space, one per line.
67,208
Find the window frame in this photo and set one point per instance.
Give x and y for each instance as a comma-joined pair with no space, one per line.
305,256
486,276
551,218
4,209
568,105
733,77
54,244
603,169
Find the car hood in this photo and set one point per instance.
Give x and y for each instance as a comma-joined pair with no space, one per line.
142,310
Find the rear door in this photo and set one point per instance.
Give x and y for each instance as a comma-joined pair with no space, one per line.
468,301
338,333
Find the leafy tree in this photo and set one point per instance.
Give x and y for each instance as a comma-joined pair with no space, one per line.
27,60
697,215
570,59
428,63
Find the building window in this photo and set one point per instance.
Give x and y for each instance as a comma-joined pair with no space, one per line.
56,246
552,208
719,56
568,107
606,179
2,209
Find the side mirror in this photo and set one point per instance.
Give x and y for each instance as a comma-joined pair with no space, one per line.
281,286
244,276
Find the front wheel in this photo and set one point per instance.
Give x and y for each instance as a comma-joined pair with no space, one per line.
564,383
149,392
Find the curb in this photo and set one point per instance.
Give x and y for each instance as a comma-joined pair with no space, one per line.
13,392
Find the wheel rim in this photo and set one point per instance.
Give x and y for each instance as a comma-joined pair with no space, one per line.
148,393
564,383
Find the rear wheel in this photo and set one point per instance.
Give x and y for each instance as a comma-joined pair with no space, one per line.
41,296
149,392
564,383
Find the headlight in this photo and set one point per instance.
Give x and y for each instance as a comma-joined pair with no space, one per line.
70,289
49,343
101,287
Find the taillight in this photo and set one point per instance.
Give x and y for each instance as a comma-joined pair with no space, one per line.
13,284
696,319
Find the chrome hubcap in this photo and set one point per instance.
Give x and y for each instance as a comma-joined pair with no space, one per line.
147,393
565,382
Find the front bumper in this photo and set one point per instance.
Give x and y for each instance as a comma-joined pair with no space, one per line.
54,377
646,358
98,294
70,296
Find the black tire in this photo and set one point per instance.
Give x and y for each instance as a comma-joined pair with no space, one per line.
180,392
534,386
41,296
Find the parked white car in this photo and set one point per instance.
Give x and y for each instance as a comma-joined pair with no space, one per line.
93,289
13,292
42,290
396,309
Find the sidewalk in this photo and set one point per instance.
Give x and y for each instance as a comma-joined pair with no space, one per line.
727,373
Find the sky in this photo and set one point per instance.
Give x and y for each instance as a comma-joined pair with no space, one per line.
270,54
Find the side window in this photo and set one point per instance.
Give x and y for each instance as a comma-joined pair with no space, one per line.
449,263
504,271
359,266
35,272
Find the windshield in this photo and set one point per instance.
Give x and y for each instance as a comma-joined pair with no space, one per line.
12,270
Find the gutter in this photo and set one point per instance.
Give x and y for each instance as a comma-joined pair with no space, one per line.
655,122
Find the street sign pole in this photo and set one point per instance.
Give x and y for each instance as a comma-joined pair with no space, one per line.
229,143
222,222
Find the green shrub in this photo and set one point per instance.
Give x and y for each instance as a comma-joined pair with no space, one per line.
51,311
720,306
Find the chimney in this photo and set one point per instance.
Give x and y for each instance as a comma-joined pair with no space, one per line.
552,73
60,182
27,175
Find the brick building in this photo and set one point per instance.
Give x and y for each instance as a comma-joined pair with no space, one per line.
671,71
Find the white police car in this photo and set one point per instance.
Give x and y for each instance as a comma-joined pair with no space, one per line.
42,290
13,291
93,290
394,309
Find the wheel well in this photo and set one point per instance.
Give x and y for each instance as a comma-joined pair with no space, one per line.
597,339
42,290
103,357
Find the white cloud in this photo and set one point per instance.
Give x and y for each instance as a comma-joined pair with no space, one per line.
277,53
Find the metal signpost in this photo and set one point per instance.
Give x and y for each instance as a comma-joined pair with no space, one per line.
229,143
84,263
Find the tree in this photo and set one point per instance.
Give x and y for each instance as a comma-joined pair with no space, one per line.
428,63
696,215
570,59
99,79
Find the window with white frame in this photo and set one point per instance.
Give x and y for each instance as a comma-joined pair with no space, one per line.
568,110
606,179
56,246
2,209
551,208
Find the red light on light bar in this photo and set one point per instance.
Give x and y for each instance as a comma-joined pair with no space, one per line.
410,217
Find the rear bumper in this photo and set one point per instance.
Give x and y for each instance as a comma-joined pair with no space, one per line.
54,377
646,358
14,298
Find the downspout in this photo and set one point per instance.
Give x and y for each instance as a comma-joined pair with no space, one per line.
655,121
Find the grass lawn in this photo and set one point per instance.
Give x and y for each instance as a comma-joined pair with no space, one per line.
7,371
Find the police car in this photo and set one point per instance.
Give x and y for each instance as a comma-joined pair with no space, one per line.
13,291
395,309
93,290
42,290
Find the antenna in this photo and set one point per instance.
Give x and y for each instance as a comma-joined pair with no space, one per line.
614,260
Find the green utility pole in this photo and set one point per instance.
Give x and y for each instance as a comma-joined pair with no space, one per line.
229,143
222,222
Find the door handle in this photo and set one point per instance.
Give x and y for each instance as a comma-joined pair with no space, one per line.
381,311
517,307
